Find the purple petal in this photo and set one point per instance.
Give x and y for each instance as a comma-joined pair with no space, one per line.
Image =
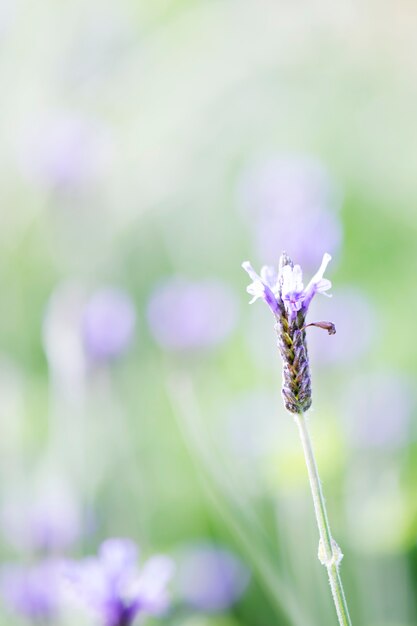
118,558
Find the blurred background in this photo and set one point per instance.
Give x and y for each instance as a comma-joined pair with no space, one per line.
148,148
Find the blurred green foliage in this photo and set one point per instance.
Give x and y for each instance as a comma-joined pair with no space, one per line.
185,95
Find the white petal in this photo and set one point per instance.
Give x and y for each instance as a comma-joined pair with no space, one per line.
318,276
255,289
323,285
286,277
292,280
269,276
297,277
249,269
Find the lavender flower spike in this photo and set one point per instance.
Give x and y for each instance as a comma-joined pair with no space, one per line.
284,293
289,301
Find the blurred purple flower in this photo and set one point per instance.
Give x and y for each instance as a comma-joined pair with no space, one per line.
33,591
291,204
356,322
108,324
210,578
112,586
62,150
377,408
185,315
48,522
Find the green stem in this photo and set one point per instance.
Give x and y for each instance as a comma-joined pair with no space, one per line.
329,552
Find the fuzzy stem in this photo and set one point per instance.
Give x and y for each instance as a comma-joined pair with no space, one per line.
329,552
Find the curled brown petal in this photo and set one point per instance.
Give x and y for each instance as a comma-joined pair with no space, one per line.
329,326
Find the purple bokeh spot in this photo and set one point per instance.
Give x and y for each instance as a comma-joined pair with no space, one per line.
63,150
211,578
377,410
48,521
108,324
32,592
185,315
291,204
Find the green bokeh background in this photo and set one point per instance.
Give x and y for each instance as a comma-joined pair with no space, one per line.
189,93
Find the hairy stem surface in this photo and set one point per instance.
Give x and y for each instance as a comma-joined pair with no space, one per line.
329,552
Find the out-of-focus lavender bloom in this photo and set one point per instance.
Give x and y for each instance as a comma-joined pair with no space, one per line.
32,592
211,578
304,239
64,151
287,184
114,588
108,324
291,203
47,521
286,286
378,408
186,315
354,317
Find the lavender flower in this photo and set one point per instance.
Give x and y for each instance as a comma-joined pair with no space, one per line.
32,592
287,286
284,293
108,324
112,586
186,315
211,578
